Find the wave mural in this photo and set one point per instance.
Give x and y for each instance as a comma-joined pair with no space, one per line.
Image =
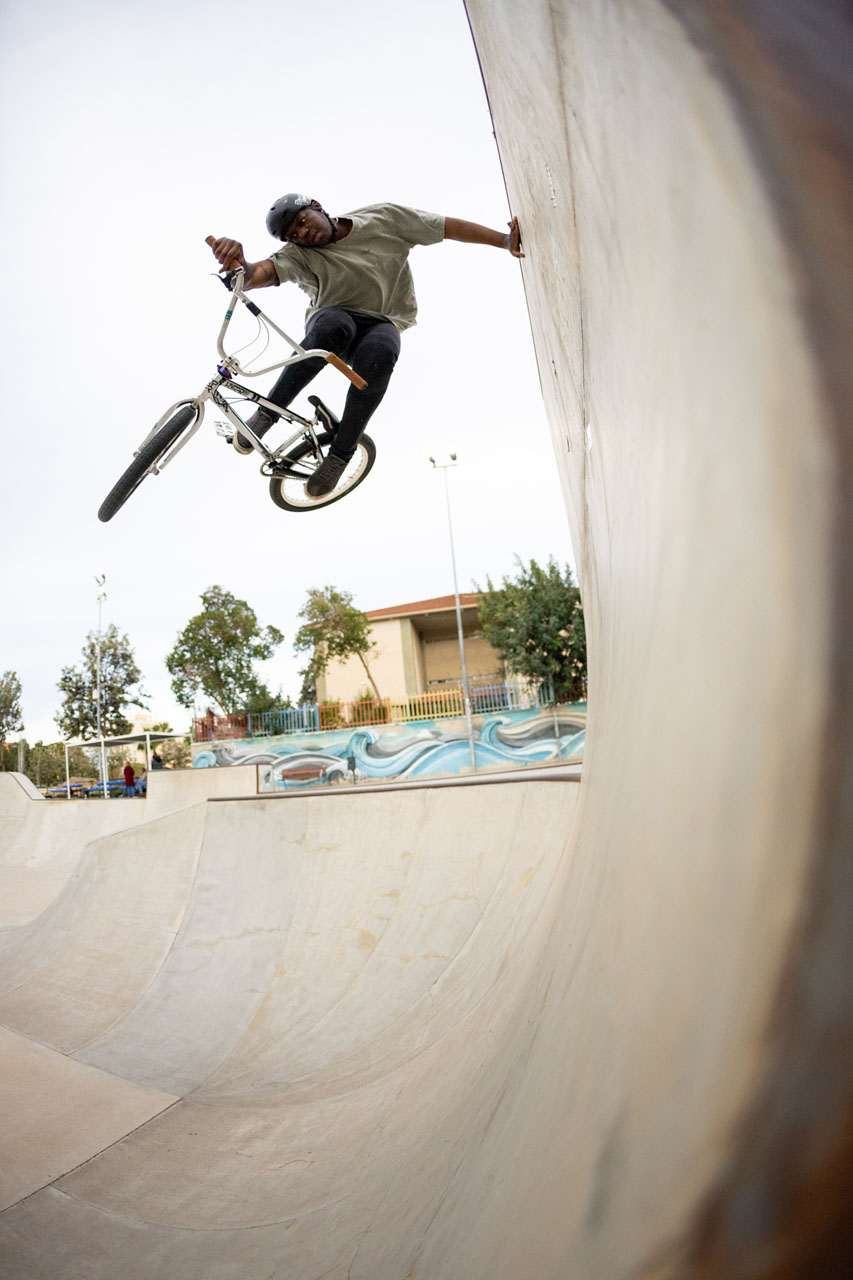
509,740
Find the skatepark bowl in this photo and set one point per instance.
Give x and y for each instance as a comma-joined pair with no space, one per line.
543,1028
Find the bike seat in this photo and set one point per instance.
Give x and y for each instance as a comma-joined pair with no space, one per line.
326,412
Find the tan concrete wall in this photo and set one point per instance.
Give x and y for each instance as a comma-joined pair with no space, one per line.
347,680
404,665
413,666
443,662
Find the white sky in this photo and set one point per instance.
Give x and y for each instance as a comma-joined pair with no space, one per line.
128,138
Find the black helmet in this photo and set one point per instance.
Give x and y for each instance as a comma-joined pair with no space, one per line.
283,212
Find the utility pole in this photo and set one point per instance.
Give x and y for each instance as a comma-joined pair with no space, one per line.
445,466
100,579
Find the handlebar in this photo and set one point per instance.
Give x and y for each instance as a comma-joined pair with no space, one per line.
233,281
337,363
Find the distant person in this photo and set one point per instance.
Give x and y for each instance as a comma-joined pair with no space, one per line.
129,776
156,760
355,270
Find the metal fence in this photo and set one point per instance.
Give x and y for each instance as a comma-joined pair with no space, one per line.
436,704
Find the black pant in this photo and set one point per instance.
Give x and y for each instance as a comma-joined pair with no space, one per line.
371,346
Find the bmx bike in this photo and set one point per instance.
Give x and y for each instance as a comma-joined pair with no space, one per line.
287,467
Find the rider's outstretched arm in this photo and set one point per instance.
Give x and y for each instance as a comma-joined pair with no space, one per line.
229,254
474,233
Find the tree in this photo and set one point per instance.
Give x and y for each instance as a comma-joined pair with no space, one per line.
535,622
44,763
215,652
308,690
120,678
333,629
11,716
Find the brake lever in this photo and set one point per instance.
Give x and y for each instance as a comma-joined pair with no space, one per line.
228,278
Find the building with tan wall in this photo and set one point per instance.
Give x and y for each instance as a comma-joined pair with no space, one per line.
417,650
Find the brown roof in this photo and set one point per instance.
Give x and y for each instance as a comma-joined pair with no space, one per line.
439,605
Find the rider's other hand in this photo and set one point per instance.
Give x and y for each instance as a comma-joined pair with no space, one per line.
514,239
228,253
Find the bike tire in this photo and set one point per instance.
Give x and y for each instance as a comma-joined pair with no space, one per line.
150,453
288,491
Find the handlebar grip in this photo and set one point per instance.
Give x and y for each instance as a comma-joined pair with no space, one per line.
355,378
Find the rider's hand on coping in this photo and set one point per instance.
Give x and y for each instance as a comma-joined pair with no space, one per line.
514,239
228,253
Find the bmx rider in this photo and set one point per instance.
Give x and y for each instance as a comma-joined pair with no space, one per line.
355,271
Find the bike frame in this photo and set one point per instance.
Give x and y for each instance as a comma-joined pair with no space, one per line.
227,372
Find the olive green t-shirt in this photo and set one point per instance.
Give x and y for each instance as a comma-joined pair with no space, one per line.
368,270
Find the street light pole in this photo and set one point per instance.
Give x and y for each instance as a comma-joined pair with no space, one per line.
444,467
100,579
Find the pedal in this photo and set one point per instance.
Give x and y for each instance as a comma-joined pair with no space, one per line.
225,430
325,414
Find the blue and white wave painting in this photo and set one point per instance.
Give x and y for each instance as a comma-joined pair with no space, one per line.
501,742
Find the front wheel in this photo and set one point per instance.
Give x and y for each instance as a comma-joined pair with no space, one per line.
147,457
294,469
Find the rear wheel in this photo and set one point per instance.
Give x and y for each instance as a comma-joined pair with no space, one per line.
147,457
294,469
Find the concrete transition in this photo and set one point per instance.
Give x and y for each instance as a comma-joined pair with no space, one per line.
542,1030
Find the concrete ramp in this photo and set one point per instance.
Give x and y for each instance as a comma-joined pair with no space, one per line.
281,1017
42,842
683,173
534,1031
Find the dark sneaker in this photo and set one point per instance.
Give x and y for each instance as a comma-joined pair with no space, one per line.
325,477
260,422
